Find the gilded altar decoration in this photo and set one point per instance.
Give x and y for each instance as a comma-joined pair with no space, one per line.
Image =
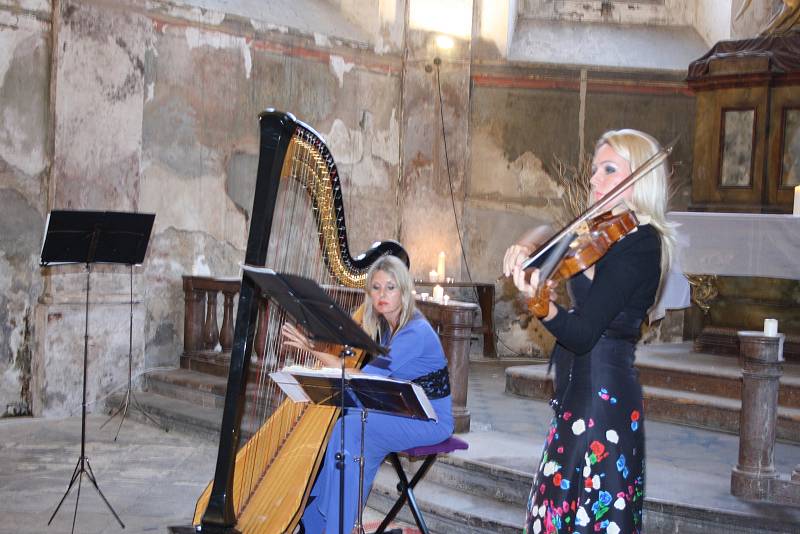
704,290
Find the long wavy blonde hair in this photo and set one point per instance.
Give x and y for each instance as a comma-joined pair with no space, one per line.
651,192
398,271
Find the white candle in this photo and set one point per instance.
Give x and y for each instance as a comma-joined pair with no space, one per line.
796,209
424,296
445,299
438,293
771,327
433,276
440,267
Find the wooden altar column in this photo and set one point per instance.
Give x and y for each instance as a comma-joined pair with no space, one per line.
453,322
761,359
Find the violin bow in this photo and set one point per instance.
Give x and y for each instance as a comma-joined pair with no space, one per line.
651,163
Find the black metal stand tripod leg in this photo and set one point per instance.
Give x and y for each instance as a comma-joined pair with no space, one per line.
83,462
90,474
75,476
130,395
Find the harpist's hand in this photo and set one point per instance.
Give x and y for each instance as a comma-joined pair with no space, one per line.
294,338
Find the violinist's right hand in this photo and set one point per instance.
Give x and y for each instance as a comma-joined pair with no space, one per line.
526,281
515,255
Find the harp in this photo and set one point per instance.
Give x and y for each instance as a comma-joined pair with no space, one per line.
297,225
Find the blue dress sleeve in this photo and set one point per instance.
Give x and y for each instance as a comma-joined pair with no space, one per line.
406,345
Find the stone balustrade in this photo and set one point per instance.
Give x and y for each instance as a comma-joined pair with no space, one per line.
204,330
201,326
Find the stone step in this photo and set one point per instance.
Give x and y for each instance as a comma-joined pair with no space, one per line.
450,502
674,366
172,414
209,362
216,364
447,509
662,404
198,387
712,412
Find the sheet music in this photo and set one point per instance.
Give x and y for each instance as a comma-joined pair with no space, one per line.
287,380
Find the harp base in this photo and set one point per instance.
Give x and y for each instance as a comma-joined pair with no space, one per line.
191,529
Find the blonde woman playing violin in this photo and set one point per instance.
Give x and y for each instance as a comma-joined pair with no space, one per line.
591,476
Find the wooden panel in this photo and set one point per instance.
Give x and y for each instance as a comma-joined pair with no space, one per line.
785,100
707,190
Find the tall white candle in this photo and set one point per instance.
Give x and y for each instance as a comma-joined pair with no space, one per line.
438,293
771,327
440,267
796,209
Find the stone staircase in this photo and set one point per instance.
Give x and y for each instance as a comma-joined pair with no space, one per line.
190,398
685,387
465,495
485,489
460,495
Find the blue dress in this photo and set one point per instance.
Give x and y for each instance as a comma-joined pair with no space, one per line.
414,351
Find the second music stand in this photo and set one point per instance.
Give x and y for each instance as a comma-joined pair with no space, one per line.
92,237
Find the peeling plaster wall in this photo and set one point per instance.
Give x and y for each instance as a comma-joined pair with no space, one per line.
205,88
523,120
24,163
156,110
97,100
652,12
429,207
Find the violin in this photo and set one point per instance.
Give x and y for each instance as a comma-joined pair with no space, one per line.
569,252
583,251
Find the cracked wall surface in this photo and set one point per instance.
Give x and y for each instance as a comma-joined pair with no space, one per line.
24,163
157,111
153,107
524,121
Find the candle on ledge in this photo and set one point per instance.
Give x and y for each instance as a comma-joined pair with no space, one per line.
433,276
445,299
438,293
796,209
424,296
440,267
771,327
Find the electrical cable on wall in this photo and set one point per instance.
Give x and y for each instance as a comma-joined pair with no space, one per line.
437,62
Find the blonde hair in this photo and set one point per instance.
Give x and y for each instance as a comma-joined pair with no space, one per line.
651,192
396,269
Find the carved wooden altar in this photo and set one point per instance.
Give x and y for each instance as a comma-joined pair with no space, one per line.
747,133
746,160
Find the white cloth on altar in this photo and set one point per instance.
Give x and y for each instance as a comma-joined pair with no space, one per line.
738,244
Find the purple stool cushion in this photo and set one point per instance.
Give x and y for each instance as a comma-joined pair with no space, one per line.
449,445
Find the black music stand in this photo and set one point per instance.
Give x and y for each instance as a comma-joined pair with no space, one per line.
321,317
93,237
130,395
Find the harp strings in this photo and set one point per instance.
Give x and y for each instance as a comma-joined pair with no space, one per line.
300,228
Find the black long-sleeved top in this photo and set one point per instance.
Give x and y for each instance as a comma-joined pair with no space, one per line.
623,289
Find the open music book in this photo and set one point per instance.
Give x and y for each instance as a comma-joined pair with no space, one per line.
372,392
